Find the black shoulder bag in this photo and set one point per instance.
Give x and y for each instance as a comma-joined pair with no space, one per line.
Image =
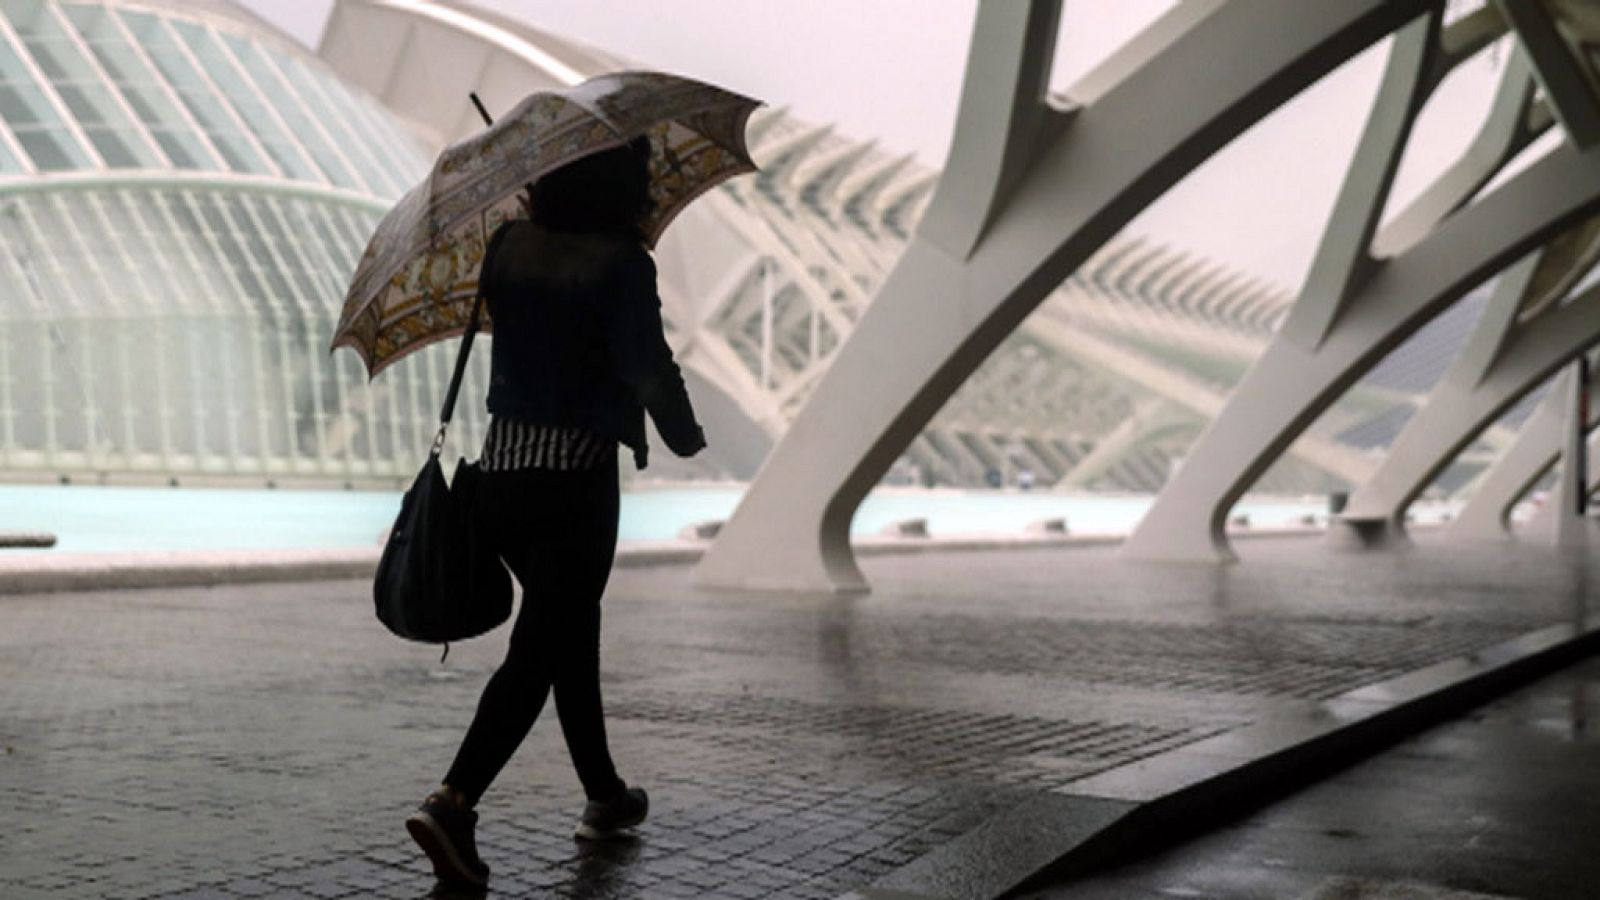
438,580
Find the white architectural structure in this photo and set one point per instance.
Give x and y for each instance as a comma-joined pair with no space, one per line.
1103,388
1035,187
182,194
1368,290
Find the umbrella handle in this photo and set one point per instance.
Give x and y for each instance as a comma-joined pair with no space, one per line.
527,201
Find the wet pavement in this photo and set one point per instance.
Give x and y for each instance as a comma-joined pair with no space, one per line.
267,741
1503,803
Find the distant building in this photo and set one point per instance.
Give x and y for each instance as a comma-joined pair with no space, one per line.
184,191
1103,388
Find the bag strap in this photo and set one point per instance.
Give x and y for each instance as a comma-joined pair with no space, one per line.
473,322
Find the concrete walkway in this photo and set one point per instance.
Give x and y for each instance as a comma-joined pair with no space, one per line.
1501,804
267,740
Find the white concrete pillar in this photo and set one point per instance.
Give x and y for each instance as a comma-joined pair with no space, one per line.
1504,358
1566,526
1028,197
1291,384
1486,515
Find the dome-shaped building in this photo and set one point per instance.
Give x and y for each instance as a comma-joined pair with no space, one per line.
183,192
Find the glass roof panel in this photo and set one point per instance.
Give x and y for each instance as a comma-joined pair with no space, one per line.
85,93
318,95
124,263
236,211
338,263
294,113
298,261
196,93
247,101
8,160
70,265
26,293
89,84
39,128
208,219
141,89
172,225
393,148
150,87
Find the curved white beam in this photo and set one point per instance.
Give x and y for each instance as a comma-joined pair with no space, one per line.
1510,126
1487,513
1569,90
1344,258
1355,307
1478,389
1291,384
1561,520
945,306
490,34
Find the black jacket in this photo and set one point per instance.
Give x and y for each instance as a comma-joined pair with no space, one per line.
578,338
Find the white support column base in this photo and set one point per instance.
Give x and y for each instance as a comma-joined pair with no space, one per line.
1353,534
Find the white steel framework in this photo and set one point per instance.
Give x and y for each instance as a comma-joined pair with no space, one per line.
765,279
183,192
1057,182
1034,188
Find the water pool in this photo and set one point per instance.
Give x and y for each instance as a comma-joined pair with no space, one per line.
127,519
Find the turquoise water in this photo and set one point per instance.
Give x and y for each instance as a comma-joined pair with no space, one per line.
125,519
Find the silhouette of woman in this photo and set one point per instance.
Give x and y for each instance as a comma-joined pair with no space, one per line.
578,357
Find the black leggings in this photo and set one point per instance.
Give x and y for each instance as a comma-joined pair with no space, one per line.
558,533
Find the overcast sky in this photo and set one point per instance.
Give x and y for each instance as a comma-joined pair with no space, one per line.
890,71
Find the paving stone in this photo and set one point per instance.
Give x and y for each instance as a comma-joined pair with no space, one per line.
268,740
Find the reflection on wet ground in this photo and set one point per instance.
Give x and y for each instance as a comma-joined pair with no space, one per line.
243,741
1501,804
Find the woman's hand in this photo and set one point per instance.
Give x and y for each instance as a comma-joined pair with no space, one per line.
691,446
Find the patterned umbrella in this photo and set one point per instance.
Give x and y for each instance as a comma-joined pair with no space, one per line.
417,280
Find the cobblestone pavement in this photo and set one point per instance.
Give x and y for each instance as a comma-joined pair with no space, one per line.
267,741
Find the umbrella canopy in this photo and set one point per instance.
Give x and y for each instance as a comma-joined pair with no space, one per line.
416,282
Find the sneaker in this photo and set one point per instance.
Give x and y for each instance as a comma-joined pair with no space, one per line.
443,829
603,820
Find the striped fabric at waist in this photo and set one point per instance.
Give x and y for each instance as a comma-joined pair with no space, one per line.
512,444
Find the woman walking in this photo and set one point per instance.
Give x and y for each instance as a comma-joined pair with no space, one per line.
578,357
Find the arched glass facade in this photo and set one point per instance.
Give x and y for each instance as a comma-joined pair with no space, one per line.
183,193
